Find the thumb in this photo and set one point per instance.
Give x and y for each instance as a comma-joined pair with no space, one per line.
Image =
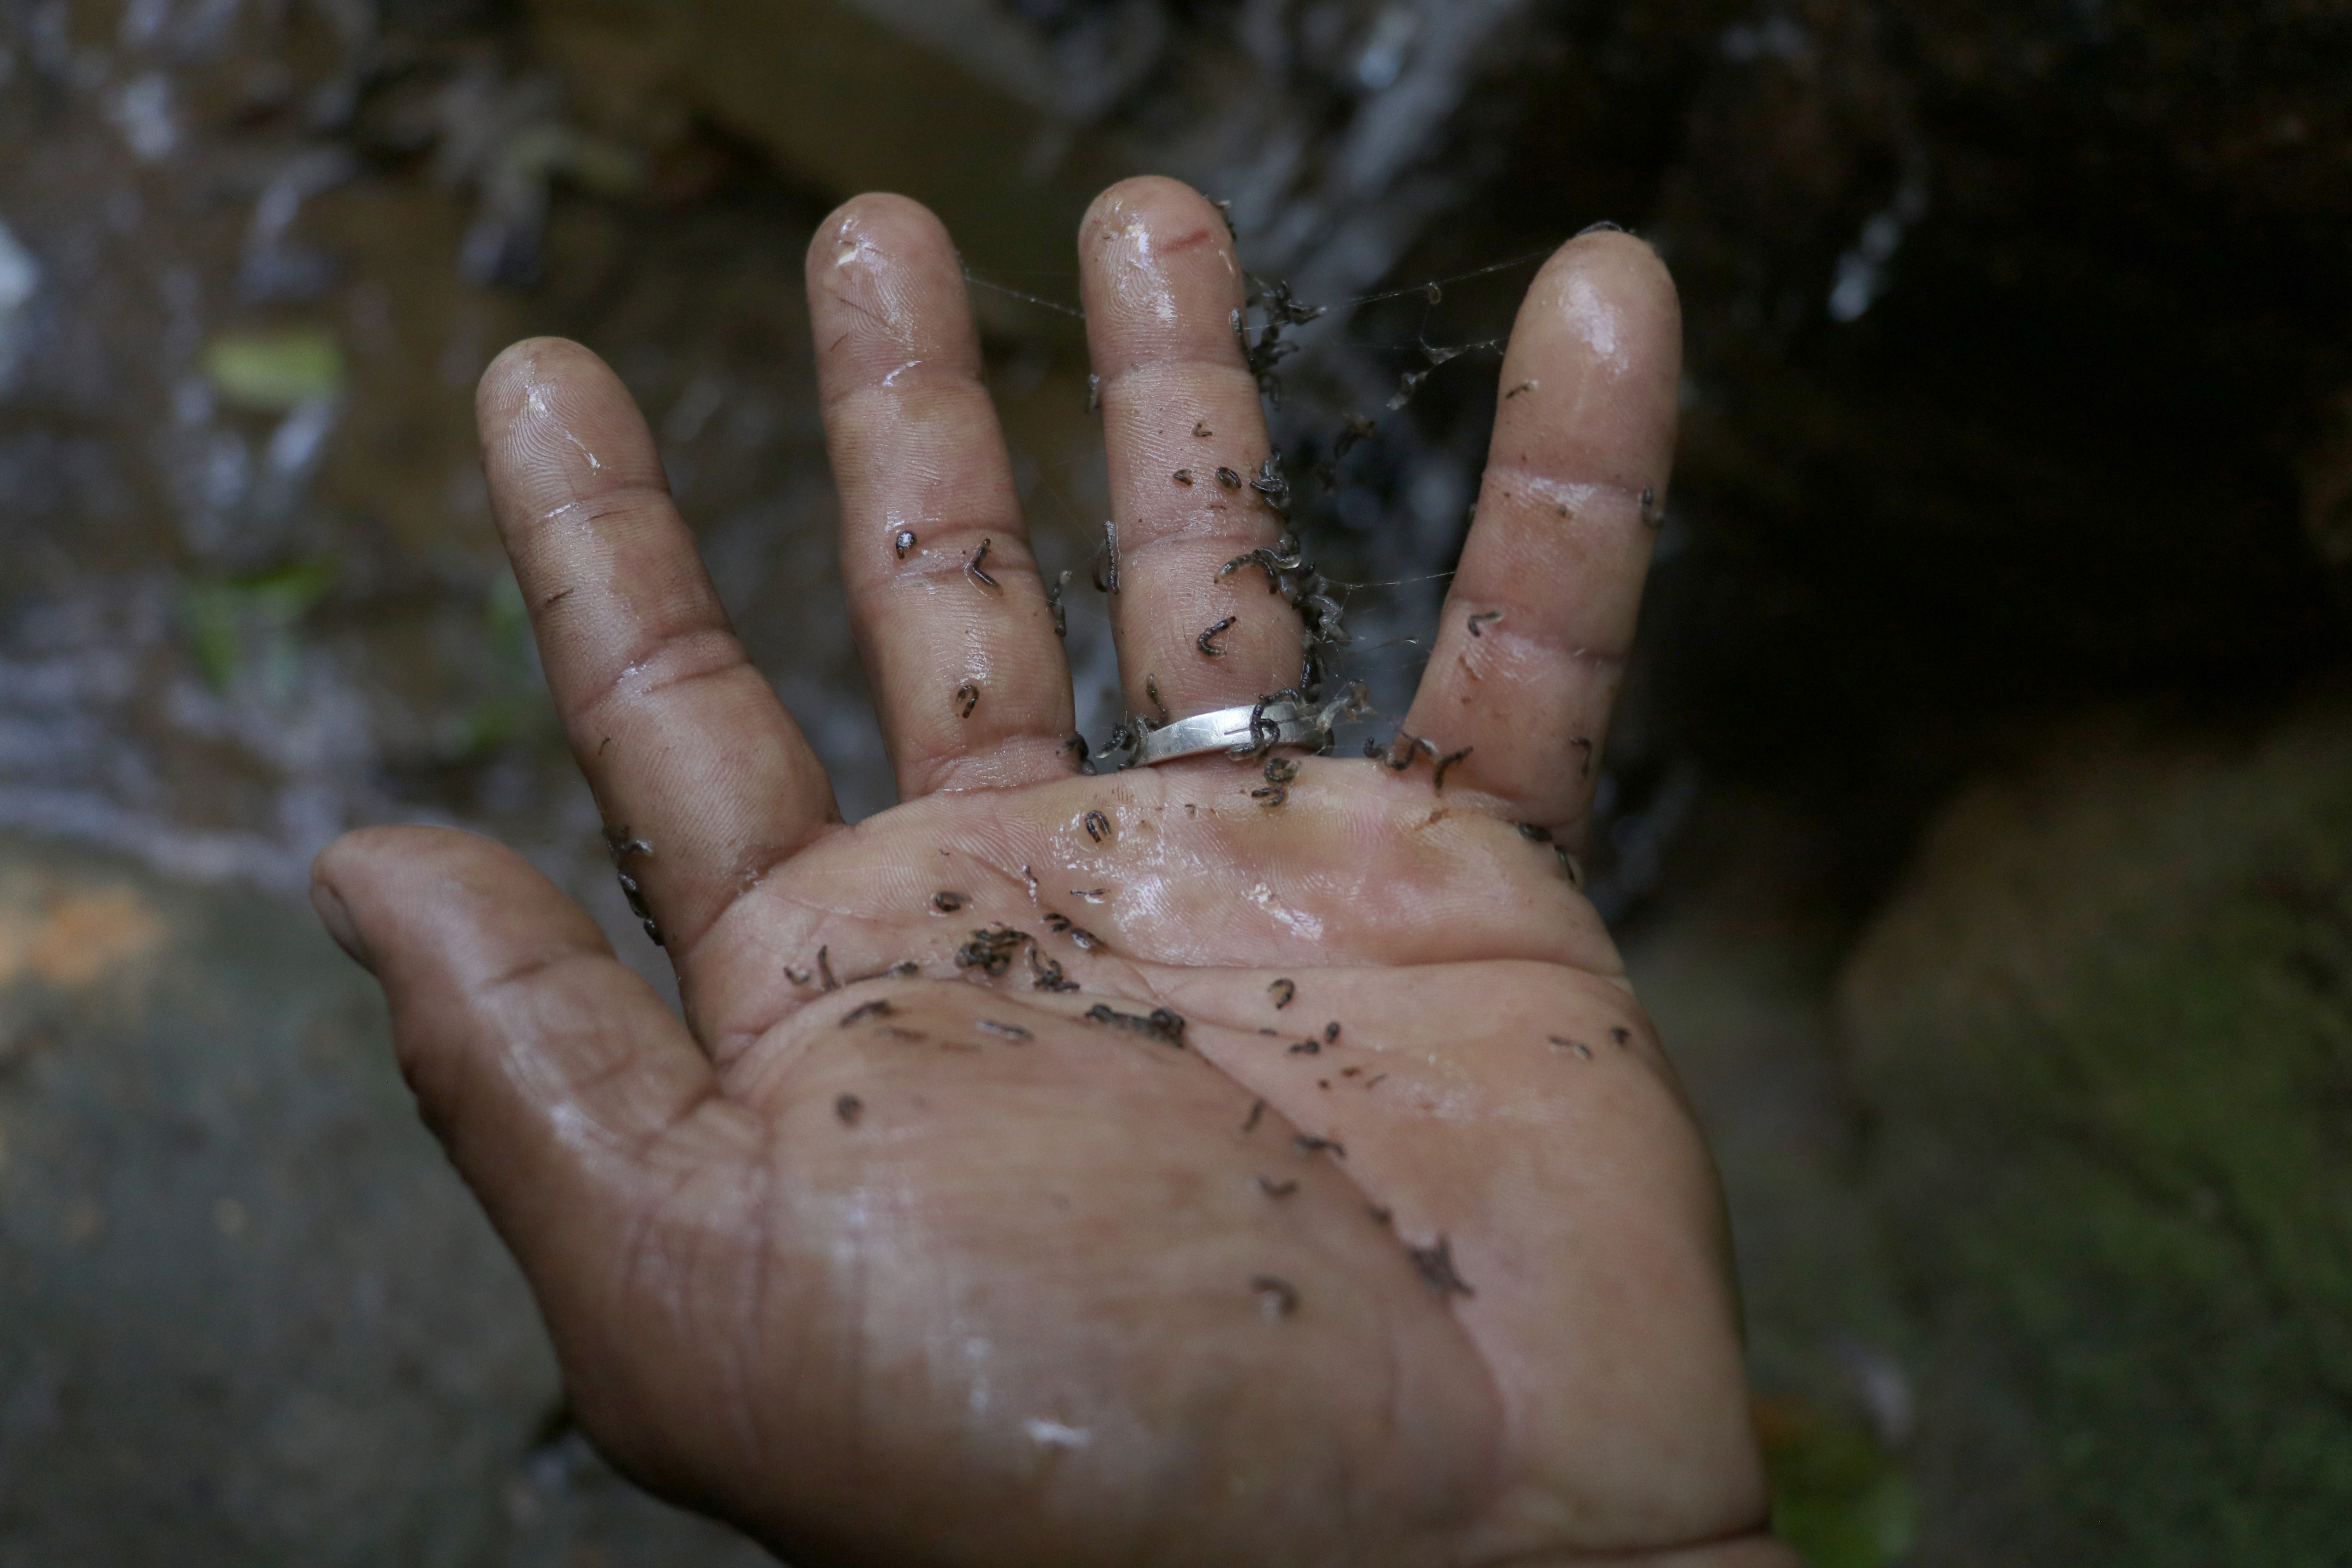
549,1070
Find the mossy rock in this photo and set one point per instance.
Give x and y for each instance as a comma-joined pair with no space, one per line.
2104,1038
1838,1496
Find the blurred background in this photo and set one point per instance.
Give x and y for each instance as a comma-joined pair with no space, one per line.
1978,825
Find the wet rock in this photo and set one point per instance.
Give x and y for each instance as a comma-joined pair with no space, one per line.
20,280
1735,964
949,104
247,1313
2103,1041
2327,496
249,591
1964,390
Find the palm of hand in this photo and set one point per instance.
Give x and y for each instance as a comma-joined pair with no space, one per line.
1075,1169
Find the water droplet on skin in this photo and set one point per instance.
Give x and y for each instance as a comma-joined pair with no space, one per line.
1055,1435
1594,318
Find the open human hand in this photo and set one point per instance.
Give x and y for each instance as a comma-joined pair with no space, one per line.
1179,1166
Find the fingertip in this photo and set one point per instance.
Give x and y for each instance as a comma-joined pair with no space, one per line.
884,286
543,381
1155,214
558,426
1619,245
519,366
883,220
1150,197
1110,206
356,883
336,915
1611,292
1159,277
1116,202
358,851
348,870
396,897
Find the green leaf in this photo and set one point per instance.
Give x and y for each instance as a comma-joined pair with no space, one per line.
273,370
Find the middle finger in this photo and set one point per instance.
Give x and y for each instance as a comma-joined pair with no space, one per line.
1185,435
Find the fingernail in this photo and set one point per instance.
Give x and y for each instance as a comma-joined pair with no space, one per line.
336,915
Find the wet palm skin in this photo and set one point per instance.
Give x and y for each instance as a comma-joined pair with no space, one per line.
1066,1168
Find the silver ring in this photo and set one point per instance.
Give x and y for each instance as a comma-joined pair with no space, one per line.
1228,729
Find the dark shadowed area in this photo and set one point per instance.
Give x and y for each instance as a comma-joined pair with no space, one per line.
1978,822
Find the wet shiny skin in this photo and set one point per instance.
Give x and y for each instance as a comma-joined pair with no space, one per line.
1406,1252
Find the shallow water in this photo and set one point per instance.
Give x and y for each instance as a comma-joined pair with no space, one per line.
249,600
250,597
